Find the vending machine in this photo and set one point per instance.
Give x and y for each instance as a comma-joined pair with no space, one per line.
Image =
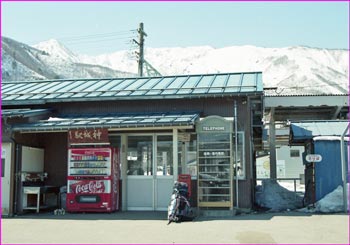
93,180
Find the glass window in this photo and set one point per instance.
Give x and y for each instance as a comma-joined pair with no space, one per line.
165,155
2,167
187,156
294,153
240,155
140,155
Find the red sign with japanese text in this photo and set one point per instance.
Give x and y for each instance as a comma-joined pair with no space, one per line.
99,135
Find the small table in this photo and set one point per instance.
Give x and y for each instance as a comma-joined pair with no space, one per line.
38,190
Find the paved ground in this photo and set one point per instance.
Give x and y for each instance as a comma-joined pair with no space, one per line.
151,227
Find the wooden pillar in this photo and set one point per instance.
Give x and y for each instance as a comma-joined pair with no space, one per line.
124,168
272,140
175,153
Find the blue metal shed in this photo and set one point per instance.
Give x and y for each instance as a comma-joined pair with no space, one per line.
328,172
322,138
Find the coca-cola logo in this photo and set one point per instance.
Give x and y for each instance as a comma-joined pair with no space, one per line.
90,187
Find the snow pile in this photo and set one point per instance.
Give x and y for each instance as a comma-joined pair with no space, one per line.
331,203
277,198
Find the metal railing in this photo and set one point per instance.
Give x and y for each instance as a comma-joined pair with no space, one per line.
281,179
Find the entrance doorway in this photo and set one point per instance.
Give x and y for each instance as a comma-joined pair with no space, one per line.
150,171
5,178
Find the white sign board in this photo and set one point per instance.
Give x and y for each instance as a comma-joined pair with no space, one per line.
313,158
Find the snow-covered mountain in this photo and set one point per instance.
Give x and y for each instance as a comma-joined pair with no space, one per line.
57,51
292,70
47,60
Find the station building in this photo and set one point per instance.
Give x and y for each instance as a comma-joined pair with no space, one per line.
208,126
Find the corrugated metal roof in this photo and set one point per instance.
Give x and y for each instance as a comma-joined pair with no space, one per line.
184,86
126,120
8,113
267,94
309,129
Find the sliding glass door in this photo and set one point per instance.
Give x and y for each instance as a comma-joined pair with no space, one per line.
149,171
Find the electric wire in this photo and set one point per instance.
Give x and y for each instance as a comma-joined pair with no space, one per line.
95,41
92,36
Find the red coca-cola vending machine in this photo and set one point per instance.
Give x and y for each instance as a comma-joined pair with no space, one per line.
93,180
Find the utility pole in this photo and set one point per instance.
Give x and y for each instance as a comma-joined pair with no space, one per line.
140,43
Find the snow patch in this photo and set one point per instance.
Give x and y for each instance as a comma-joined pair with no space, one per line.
331,203
273,196
331,138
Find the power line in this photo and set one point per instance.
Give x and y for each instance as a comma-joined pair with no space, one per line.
96,41
119,33
99,48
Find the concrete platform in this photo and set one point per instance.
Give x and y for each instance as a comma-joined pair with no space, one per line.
217,213
152,228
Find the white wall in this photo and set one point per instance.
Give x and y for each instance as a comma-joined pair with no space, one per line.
293,165
287,166
6,154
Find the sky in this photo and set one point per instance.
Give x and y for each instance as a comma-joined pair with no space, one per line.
103,27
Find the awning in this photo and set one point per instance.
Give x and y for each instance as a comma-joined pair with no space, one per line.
111,121
307,130
27,112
